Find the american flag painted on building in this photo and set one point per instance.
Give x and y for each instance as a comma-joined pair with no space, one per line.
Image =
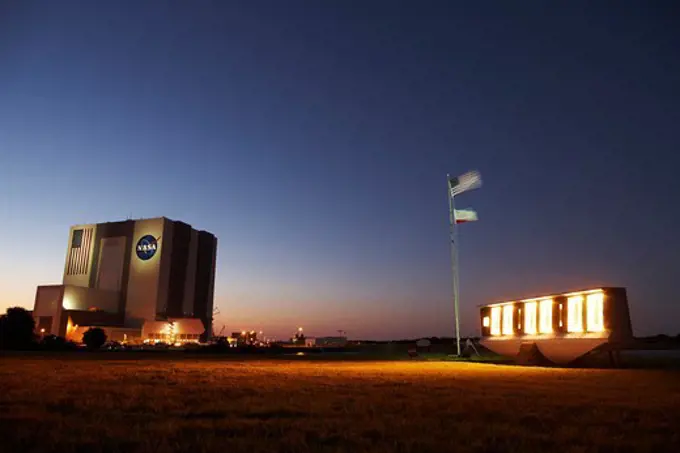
79,254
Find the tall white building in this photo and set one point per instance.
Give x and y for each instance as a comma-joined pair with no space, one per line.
121,275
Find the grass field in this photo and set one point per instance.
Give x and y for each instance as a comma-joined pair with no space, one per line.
109,403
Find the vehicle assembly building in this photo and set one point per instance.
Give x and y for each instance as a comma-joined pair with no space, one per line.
149,279
562,327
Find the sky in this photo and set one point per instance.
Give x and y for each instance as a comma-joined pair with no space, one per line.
314,139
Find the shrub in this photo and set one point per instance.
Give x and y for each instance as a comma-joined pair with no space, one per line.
55,343
94,338
16,329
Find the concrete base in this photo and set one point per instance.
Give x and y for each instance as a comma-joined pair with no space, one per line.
560,351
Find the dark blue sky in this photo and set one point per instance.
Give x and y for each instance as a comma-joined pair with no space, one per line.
313,138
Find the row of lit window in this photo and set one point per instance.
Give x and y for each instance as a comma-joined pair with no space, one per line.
538,316
166,336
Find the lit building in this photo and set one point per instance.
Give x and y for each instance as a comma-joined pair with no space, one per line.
127,276
328,342
562,327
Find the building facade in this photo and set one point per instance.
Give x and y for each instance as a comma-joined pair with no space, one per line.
125,274
561,327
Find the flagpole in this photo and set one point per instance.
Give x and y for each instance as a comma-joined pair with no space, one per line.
454,259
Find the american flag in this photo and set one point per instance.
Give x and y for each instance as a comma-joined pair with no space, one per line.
463,183
79,254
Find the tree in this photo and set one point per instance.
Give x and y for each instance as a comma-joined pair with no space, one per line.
17,329
299,338
94,338
55,343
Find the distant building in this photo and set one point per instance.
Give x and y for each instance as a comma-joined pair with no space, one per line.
328,342
244,338
127,277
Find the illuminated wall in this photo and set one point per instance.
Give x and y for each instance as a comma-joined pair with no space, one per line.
141,269
172,331
79,298
48,307
111,263
80,255
146,293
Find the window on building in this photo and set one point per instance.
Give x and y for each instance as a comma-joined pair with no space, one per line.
508,319
595,312
575,314
530,309
545,316
77,239
496,320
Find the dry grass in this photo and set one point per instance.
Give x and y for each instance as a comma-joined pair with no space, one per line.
215,405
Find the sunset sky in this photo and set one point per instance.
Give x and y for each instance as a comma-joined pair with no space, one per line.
314,138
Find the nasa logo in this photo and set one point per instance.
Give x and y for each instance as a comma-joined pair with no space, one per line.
147,247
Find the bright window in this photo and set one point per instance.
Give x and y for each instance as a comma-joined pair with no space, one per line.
575,314
507,320
495,320
530,317
545,316
595,312
485,321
